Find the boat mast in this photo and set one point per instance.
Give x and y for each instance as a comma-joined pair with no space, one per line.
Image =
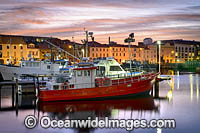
129,40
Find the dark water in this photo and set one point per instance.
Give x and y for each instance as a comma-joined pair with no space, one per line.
181,104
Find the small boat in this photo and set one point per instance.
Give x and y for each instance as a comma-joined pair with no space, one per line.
86,84
32,67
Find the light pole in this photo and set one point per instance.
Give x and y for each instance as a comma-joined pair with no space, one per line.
159,47
129,40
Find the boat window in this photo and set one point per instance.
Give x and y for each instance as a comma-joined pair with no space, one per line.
79,73
55,87
85,73
100,71
115,68
88,73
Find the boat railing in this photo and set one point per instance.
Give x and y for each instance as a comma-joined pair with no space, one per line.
124,79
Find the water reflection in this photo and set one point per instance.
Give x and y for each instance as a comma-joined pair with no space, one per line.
113,109
197,86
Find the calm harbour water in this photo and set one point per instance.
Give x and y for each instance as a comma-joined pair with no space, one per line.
182,104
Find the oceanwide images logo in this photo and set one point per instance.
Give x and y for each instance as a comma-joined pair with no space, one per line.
129,124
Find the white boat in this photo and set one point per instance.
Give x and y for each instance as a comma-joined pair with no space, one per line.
9,72
109,67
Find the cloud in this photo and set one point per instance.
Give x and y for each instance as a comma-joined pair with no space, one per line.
115,18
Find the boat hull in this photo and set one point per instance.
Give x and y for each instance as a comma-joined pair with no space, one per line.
135,87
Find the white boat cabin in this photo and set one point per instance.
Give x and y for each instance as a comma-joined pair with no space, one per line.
109,67
83,77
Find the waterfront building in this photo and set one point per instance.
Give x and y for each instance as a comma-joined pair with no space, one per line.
14,48
184,50
119,51
148,41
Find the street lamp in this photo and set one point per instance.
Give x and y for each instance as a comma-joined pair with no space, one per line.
159,46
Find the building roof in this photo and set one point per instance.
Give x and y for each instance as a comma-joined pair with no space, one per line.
180,41
97,44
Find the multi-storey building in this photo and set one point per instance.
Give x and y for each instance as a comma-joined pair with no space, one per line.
118,51
14,48
183,50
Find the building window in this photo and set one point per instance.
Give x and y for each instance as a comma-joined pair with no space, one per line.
21,47
8,54
14,47
186,49
124,54
0,55
0,47
15,54
8,47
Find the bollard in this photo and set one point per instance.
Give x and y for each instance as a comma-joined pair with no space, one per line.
16,100
13,96
0,97
38,87
157,89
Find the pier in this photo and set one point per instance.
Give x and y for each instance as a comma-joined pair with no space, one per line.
21,87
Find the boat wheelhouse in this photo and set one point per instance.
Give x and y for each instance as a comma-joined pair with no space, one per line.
111,68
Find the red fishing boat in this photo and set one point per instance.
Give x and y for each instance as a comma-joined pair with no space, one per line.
86,84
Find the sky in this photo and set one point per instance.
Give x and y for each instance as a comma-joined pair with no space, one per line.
158,19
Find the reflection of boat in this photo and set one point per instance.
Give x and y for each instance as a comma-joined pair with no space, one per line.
86,84
144,103
8,72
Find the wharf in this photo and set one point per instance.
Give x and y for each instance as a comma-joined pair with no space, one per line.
8,83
